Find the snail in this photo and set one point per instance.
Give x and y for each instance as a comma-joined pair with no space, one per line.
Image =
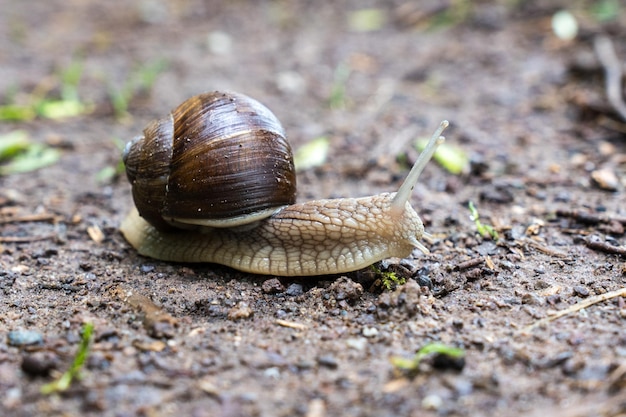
238,208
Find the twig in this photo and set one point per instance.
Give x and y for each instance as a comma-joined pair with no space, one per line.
543,248
24,239
470,263
43,217
590,218
577,307
291,324
594,243
613,73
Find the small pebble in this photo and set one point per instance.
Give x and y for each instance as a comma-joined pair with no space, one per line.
328,361
605,179
581,291
25,338
447,362
357,343
273,373
370,331
219,43
39,363
498,195
432,402
272,286
294,290
532,299
241,311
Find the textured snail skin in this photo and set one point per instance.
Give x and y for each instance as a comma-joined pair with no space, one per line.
313,238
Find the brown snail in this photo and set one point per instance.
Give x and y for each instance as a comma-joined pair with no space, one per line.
237,208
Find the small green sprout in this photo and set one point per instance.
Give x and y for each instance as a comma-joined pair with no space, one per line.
337,99
140,80
605,10
64,382
484,230
39,104
110,172
412,365
16,112
389,280
18,154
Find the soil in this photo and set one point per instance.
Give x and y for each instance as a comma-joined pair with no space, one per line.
530,111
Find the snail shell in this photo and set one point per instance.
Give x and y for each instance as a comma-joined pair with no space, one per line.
219,160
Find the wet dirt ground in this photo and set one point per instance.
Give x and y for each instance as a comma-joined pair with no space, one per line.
530,111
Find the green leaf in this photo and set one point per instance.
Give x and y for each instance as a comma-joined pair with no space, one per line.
312,154
452,158
24,156
366,20
15,112
605,10
60,109
12,143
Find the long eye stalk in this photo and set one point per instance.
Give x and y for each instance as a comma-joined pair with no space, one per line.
405,190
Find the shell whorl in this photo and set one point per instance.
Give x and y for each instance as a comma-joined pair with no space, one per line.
218,158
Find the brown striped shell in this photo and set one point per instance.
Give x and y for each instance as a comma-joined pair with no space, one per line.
219,159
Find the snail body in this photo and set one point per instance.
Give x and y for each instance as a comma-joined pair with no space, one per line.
275,236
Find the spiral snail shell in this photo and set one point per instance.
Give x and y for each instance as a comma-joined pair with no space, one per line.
215,182
219,159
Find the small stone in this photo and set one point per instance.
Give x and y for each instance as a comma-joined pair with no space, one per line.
272,286
357,343
605,179
497,194
432,402
294,290
447,362
532,299
161,329
39,363
346,289
241,311
581,291
219,43
328,361
369,331
25,338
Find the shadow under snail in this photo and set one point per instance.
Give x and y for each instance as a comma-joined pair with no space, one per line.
215,182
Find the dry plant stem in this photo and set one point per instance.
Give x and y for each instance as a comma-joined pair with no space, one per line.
469,263
44,217
291,324
24,239
613,73
589,218
543,248
594,243
576,307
